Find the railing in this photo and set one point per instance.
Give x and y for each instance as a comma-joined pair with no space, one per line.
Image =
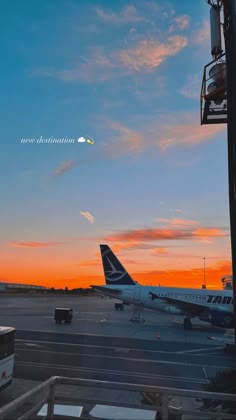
45,393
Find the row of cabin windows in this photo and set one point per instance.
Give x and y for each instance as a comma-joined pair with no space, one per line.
182,296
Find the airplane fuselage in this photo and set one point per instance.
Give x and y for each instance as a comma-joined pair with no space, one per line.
214,306
218,304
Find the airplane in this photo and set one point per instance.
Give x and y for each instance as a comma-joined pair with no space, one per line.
213,306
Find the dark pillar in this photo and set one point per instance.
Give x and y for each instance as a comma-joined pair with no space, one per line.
230,50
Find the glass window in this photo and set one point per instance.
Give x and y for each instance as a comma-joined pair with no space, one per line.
7,344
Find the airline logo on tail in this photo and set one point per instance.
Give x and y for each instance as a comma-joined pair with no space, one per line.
110,273
113,269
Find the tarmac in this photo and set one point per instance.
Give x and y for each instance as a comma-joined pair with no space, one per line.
96,317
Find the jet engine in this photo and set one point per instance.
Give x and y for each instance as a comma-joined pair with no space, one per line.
221,319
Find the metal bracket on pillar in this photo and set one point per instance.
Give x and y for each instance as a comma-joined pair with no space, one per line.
213,92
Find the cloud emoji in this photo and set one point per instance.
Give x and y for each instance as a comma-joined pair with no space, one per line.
81,140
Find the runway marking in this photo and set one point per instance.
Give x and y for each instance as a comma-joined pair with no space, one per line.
32,344
113,372
93,345
212,353
90,320
112,348
167,362
197,350
121,350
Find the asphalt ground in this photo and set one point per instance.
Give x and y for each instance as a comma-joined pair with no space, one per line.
94,315
104,344
175,364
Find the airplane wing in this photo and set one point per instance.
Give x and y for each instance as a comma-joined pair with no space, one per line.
105,290
192,308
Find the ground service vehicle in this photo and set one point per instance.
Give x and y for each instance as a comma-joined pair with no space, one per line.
7,348
63,314
119,306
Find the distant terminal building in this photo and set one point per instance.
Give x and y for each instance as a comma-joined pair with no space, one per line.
227,282
19,287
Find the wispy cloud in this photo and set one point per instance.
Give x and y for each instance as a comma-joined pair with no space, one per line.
65,167
99,65
95,66
177,222
128,14
191,89
130,245
88,216
182,21
184,222
31,244
176,210
162,135
202,34
179,23
124,141
162,220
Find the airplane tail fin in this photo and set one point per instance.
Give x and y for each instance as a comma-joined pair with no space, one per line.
113,270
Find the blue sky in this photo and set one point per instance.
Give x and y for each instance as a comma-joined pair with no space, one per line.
128,74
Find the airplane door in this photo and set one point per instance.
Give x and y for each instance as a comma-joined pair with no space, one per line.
137,292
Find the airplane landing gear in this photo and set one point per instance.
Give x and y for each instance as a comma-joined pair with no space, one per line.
188,324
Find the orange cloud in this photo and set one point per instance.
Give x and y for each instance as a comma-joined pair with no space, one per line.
208,232
148,55
160,250
30,244
189,134
60,267
153,234
124,141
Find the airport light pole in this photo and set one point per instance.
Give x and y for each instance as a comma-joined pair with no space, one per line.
204,272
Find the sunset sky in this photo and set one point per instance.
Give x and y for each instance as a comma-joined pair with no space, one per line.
154,184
